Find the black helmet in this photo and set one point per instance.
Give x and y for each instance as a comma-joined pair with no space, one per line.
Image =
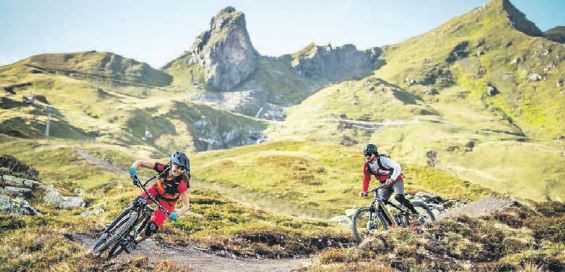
370,149
180,159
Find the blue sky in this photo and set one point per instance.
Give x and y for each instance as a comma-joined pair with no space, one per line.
159,31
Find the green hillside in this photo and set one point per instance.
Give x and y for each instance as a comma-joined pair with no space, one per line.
309,179
100,65
470,109
117,113
42,242
468,54
427,107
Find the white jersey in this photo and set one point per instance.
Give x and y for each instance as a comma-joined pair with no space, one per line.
388,163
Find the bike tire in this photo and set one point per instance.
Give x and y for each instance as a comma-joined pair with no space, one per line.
139,225
104,242
359,223
428,215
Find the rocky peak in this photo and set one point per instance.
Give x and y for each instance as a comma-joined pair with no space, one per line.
516,18
226,16
224,52
334,63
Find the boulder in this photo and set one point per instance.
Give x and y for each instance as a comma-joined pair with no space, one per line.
17,182
16,206
492,91
534,77
469,146
55,199
350,212
341,219
431,158
92,212
17,192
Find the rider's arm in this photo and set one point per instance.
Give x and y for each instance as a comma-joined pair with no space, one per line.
389,163
185,203
366,178
146,164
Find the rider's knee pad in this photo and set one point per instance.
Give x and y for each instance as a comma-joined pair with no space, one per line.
151,229
400,198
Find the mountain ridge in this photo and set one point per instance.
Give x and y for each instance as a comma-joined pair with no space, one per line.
105,64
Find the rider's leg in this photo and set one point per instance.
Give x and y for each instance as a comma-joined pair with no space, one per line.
150,229
398,187
153,226
157,219
385,193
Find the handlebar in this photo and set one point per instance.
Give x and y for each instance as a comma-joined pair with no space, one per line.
374,190
137,183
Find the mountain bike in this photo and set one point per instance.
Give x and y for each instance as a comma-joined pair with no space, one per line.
367,220
120,235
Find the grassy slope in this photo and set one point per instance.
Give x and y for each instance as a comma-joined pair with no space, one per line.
531,105
496,161
305,178
29,242
513,240
112,113
459,115
536,107
105,64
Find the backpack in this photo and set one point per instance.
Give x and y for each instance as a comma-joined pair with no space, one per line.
168,190
368,168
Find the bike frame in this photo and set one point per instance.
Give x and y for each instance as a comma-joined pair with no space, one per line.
381,205
145,208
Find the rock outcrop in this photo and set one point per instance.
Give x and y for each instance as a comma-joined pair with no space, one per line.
224,63
518,19
224,53
16,192
12,165
55,199
334,63
16,205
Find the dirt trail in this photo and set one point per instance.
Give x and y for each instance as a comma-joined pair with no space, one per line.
481,207
198,260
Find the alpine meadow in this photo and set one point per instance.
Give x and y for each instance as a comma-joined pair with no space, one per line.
473,110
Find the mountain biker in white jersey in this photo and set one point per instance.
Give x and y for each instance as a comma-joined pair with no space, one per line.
386,171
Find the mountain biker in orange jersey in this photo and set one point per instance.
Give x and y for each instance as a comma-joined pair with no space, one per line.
386,171
172,184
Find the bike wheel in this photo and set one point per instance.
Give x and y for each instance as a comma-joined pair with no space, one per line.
136,228
110,237
366,222
424,211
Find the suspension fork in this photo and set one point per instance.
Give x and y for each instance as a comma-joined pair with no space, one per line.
145,219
